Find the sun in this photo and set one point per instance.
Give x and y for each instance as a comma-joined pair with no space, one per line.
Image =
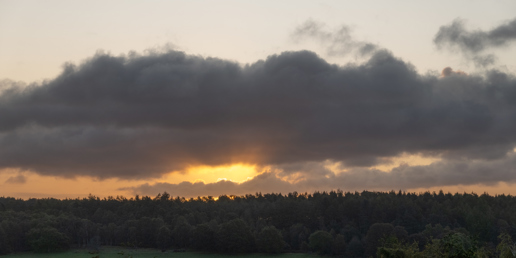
238,172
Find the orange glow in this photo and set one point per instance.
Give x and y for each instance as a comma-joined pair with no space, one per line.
497,189
406,159
235,172
37,186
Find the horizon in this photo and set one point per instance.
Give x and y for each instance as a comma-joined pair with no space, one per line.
216,198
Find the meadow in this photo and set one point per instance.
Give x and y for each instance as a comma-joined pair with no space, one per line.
114,252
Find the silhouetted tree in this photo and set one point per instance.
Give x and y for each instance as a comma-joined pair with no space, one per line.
377,232
5,248
339,245
321,242
355,248
235,237
203,238
506,248
164,238
269,240
46,240
182,232
433,220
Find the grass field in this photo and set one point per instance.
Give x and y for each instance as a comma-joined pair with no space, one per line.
114,252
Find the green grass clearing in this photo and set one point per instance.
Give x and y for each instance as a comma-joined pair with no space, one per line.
114,252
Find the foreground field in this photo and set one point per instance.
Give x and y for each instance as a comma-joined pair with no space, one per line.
113,252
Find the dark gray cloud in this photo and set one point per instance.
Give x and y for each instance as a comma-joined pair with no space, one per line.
19,179
139,116
437,174
473,44
338,42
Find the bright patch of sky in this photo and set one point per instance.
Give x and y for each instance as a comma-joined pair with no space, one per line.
38,37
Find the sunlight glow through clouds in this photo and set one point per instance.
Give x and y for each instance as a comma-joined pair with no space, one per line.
406,159
390,163
39,186
208,174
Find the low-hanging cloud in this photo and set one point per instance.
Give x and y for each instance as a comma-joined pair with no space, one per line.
266,182
18,179
474,44
140,116
404,177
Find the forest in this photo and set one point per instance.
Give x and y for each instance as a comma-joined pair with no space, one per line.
336,223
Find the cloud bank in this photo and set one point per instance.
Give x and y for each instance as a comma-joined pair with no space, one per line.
443,173
140,116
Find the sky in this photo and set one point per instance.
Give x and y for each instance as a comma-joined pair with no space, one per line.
204,98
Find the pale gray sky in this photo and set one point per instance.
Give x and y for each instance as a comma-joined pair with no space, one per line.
37,37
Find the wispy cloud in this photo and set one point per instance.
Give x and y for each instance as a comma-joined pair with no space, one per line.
474,43
337,42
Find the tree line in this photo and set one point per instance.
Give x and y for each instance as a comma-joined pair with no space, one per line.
349,224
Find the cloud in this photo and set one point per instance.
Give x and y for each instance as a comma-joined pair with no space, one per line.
404,177
473,44
266,182
448,71
19,179
337,42
141,116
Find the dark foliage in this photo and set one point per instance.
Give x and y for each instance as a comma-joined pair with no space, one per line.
321,242
269,240
351,224
235,237
47,240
